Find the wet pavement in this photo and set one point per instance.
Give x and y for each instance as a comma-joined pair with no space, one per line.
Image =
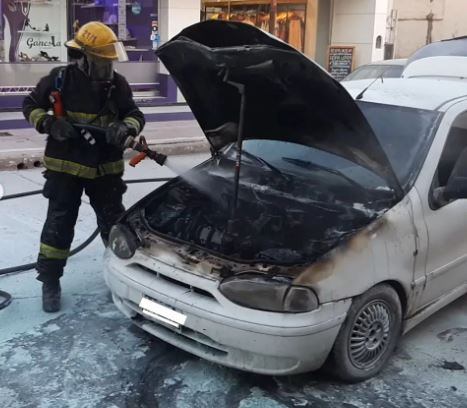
89,355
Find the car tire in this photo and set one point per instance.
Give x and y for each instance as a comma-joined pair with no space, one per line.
368,335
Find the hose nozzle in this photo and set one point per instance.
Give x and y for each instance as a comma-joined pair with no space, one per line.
144,151
159,158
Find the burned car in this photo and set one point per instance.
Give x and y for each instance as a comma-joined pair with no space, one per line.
326,223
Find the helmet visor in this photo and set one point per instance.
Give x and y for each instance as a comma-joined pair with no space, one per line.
115,51
100,69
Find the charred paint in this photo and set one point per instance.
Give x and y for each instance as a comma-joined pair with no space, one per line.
203,262
325,267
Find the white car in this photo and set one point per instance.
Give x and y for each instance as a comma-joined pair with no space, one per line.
344,227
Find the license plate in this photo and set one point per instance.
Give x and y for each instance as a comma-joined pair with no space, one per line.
162,313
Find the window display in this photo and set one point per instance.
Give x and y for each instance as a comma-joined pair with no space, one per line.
33,34
133,22
290,18
33,31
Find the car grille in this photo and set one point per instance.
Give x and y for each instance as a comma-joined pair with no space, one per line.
192,338
176,282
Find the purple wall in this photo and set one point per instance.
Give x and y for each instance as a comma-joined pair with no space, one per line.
140,25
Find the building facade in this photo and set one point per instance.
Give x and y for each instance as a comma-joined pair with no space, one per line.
375,29
313,26
416,23
361,23
33,33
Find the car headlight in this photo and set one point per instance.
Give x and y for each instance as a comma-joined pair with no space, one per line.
274,294
122,241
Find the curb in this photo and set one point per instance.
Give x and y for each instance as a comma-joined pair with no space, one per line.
34,159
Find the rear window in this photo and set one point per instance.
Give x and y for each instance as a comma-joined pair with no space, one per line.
376,71
456,47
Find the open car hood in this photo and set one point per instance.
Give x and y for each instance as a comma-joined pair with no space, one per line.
288,96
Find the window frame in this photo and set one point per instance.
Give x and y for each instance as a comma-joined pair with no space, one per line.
435,182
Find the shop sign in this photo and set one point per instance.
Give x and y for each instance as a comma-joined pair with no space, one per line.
36,42
340,61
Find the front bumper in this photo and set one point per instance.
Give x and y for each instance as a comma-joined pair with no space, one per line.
217,329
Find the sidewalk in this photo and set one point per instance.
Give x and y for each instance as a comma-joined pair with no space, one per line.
169,129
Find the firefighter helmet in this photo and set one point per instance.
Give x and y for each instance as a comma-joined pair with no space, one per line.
98,40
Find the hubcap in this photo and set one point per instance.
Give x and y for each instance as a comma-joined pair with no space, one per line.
370,335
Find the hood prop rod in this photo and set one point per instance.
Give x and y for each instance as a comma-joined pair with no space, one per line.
238,160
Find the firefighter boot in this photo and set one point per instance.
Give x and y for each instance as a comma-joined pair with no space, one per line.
51,293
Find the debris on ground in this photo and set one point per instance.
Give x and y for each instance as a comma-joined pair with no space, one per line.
452,365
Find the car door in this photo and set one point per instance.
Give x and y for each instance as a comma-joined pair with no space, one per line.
446,261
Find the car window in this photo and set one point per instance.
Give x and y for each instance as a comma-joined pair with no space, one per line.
393,71
456,144
405,134
375,71
456,47
365,72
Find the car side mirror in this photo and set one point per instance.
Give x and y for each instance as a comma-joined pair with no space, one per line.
456,188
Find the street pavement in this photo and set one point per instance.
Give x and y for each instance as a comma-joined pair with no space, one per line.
89,355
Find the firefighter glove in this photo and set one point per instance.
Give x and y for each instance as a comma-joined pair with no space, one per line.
59,128
118,134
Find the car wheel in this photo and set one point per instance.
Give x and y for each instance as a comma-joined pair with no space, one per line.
368,336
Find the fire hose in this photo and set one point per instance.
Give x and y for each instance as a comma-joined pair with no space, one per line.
5,298
143,151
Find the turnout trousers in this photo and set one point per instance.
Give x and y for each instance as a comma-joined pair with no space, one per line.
64,193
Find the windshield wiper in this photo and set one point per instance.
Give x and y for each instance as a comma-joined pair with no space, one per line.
312,166
266,163
255,158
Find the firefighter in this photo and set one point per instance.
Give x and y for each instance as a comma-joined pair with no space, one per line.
89,92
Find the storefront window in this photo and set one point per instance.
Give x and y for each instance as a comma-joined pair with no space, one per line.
290,18
33,34
36,30
134,22
32,31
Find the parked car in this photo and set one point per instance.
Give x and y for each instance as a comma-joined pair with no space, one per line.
344,228
392,68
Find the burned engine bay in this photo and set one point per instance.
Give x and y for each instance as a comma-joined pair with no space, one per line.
278,220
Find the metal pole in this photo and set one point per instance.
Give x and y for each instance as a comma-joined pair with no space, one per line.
273,17
122,33
238,159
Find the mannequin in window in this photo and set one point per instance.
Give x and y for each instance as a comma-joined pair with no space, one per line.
16,15
295,31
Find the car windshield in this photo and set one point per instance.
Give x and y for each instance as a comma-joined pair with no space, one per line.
307,163
405,135
375,71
